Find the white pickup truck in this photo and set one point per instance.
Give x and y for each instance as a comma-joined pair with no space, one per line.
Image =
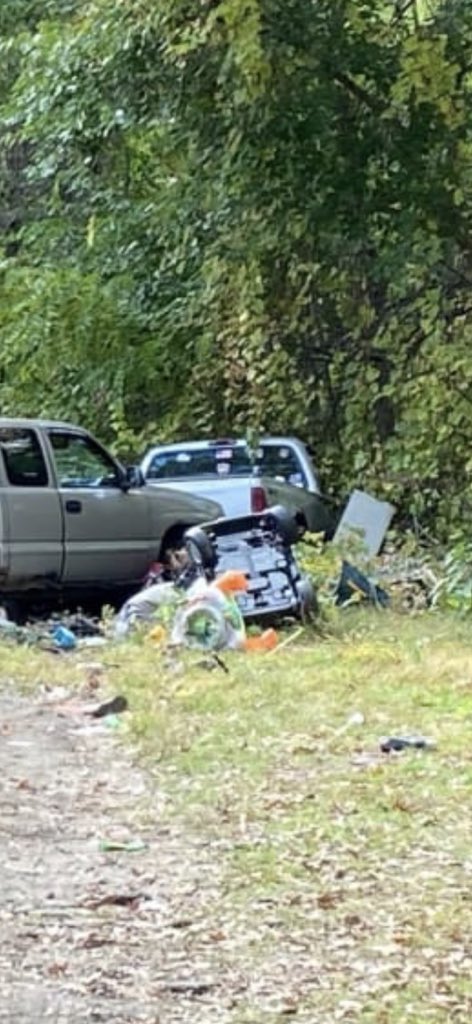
71,517
278,472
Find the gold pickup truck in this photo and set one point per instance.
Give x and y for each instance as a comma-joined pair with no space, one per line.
72,517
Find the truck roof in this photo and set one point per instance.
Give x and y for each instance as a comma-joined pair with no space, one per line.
7,421
229,442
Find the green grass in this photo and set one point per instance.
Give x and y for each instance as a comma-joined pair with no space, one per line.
345,873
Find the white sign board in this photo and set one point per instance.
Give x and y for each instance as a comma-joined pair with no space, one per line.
368,516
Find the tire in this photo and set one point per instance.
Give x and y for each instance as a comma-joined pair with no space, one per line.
284,523
200,548
12,608
172,546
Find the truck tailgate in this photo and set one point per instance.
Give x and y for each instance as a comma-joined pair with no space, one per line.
234,495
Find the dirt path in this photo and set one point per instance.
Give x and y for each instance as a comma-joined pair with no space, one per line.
88,935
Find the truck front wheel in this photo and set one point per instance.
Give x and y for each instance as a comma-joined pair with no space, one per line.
173,553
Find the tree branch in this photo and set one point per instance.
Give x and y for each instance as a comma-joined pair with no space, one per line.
357,91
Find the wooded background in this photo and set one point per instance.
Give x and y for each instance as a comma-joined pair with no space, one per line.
244,216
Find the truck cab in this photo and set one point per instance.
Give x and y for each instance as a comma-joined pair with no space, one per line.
70,514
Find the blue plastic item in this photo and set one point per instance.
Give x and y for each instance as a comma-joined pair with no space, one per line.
64,638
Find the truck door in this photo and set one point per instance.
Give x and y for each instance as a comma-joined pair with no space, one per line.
32,541
107,532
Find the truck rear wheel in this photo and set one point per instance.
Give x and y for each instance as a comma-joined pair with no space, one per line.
12,609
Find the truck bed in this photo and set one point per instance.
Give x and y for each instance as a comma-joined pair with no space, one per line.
215,470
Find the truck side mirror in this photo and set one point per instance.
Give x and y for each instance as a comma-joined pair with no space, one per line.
132,478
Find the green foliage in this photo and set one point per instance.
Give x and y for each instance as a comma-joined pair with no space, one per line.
242,215
323,564
57,323
454,590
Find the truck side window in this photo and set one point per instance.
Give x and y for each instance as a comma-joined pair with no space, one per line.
23,458
80,462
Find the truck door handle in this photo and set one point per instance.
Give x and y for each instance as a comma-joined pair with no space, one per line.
74,507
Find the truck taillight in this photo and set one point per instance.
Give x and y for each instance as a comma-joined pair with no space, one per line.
258,499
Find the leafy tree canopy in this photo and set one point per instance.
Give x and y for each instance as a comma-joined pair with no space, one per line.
246,214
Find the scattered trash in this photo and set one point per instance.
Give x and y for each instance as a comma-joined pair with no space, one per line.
367,516
210,617
64,638
113,722
6,625
357,718
267,641
111,707
20,634
92,641
230,572
158,635
133,846
142,607
398,743
54,635
83,626
196,609
354,582
155,574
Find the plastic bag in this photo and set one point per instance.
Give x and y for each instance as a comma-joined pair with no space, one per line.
143,605
211,618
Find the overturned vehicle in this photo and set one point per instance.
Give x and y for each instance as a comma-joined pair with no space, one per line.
260,546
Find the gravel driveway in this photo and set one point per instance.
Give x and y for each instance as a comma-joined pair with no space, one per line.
88,933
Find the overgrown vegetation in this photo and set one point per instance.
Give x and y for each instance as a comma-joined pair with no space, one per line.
411,578
246,215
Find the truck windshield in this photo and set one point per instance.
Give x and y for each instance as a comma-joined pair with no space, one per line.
278,461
